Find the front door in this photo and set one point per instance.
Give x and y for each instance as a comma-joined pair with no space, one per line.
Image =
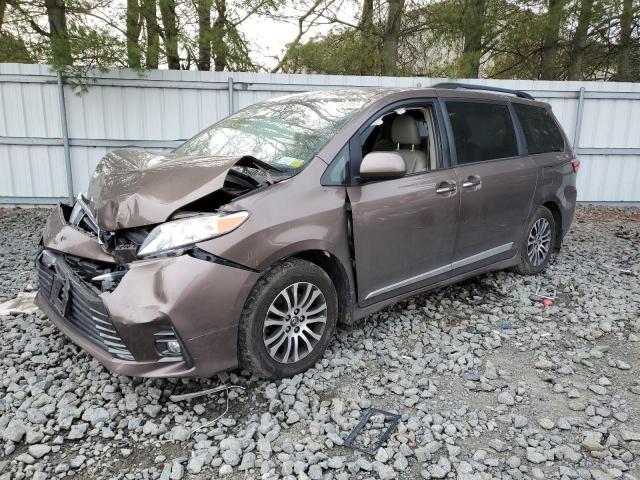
404,233
403,229
497,183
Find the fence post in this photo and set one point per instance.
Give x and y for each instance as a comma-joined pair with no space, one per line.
578,127
230,94
65,139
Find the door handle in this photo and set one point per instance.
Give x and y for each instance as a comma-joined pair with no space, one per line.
472,182
445,188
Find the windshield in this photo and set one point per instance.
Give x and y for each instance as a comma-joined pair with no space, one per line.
285,132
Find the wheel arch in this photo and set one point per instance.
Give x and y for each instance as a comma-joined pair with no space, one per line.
557,217
338,273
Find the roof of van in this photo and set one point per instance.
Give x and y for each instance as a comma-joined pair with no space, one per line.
369,95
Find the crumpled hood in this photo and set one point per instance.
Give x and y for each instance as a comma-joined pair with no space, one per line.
132,188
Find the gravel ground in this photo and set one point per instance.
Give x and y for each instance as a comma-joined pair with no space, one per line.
488,383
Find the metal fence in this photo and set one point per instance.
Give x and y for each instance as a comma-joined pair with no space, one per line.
52,136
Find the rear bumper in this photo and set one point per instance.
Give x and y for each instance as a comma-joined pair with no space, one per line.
200,301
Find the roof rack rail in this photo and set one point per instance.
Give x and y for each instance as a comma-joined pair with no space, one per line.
470,86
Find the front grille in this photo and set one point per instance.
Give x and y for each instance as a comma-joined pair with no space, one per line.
83,310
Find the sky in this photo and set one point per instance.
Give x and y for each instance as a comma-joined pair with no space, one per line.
269,37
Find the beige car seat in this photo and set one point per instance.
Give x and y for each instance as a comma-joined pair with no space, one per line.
404,132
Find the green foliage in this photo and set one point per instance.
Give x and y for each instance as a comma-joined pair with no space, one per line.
346,52
452,38
13,50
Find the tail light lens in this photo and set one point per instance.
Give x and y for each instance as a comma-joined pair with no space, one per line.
575,165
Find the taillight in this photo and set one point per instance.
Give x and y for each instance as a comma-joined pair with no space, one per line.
575,165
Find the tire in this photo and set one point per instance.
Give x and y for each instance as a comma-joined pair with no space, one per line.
541,231
263,325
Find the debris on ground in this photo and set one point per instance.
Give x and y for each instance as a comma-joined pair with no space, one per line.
22,304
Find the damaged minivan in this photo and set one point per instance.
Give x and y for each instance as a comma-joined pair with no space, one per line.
247,245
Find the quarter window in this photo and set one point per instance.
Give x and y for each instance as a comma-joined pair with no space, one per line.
482,131
540,131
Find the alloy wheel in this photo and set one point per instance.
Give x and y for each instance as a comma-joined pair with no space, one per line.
295,322
539,242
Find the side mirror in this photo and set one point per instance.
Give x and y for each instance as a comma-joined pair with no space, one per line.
382,165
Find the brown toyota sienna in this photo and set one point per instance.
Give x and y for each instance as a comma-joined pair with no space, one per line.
249,243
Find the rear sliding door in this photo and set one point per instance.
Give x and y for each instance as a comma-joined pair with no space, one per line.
497,182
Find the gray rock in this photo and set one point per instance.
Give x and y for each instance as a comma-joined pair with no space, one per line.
506,398
440,469
382,456
520,421
225,470
546,423
36,416
264,447
14,431
96,416
78,431
534,456
623,365
25,458
564,424
592,442
385,472
196,462
598,389
513,461
248,461
498,445
177,471
180,433
39,451
77,461
315,472
231,457
629,436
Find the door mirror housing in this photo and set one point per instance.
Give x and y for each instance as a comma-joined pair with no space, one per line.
382,166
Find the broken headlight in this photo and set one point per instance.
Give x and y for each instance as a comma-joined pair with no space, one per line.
178,234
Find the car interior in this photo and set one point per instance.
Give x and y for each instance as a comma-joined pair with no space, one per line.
407,131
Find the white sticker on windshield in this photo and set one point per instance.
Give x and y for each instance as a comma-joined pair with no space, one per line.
290,161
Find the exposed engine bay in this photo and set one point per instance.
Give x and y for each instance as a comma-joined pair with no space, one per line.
245,175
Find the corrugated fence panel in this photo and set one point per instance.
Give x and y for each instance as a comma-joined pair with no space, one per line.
158,109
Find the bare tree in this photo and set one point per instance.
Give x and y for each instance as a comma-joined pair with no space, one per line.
168,14
134,26
58,33
580,40
219,48
550,39
391,37
149,12
303,27
203,8
624,43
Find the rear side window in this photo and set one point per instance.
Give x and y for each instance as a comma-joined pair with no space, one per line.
482,131
540,131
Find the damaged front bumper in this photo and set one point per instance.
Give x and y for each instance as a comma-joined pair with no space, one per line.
193,303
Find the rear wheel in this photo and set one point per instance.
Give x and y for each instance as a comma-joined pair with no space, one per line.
288,320
538,242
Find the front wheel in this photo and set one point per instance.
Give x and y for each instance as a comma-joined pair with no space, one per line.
288,320
538,242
